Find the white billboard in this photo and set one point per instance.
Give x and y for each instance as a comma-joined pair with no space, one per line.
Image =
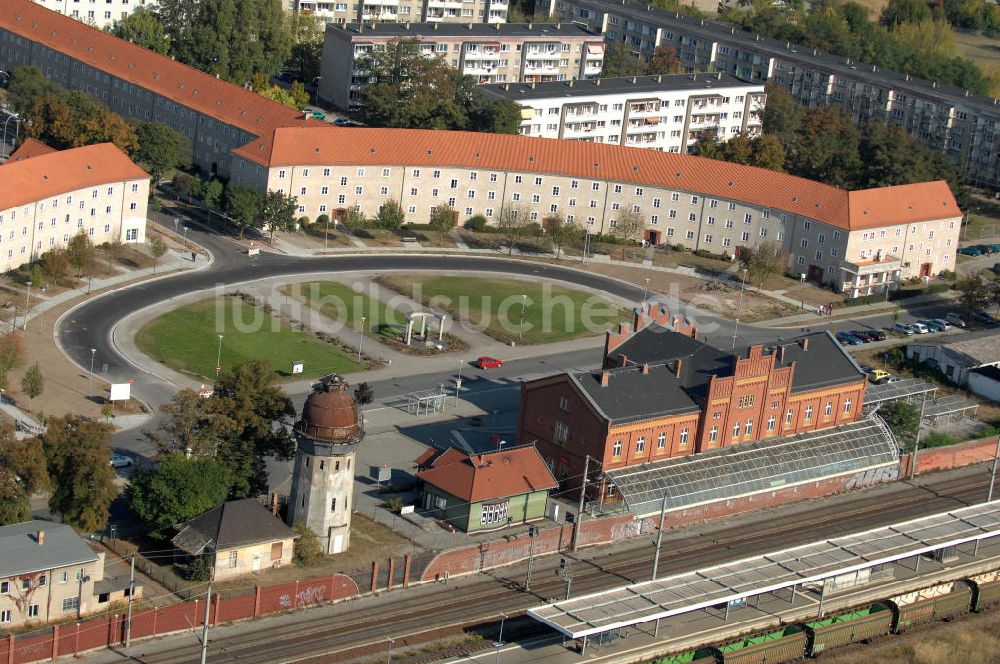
121,391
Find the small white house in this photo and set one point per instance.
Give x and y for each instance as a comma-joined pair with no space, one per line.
985,382
958,358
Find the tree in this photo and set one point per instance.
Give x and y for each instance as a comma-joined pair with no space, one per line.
243,205
390,217
511,223
353,219
175,490
157,247
11,354
245,421
212,196
143,28
80,252
277,212
183,185
22,473
307,547
27,84
619,60
443,220
628,227
903,419
562,232
764,260
363,394
663,61
974,294
294,97
83,487
32,382
55,264
904,11
782,116
161,149
64,120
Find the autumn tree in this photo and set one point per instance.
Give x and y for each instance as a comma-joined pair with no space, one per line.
619,60
23,472
353,219
11,354
183,185
562,232
32,383
295,96
307,548
175,490
663,61
80,252
83,482
55,264
974,293
764,260
628,227
157,247
443,220
511,224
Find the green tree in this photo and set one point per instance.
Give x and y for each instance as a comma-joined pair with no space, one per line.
26,84
243,205
64,120
32,382
212,195
619,60
277,212
353,219
767,152
390,217
55,264
80,252
183,185
11,355
782,116
562,233
308,550
904,11
903,419
364,394
307,45
974,293
244,422
23,472
443,220
157,247
175,490
143,28
295,96
83,486
161,149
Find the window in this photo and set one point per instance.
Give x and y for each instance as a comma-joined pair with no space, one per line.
847,405
4,587
685,432
661,440
333,504
305,172
233,557
562,433
41,580
71,604
495,513
617,449
33,611
5,615
564,404
809,413
770,423
64,577
640,444
736,430
788,416
828,409
746,401
343,181
385,172
748,429
713,434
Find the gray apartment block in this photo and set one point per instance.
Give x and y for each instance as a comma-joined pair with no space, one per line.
492,53
957,122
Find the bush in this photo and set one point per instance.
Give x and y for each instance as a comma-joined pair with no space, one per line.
307,546
478,223
198,570
704,253
303,222
323,219
679,247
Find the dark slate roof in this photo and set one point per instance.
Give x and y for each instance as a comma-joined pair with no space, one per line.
826,362
230,525
632,395
20,552
607,86
988,372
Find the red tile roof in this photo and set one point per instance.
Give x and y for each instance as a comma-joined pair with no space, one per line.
293,146
45,175
509,472
30,148
186,85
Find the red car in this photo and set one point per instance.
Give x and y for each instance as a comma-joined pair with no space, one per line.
487,362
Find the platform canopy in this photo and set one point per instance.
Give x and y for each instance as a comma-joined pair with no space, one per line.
908,388
751,468
807,564
951,405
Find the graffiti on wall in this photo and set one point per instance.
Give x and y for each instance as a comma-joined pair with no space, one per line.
871,477
306,596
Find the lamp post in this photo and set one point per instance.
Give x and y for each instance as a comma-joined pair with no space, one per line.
458,383
218,358
90,379
27,305
645,292
17,125
388,653
361,341
739,307
499,642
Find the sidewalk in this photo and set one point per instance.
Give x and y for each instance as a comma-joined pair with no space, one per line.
859,311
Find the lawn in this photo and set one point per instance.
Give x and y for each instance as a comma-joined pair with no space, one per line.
340,302
186,339
552,312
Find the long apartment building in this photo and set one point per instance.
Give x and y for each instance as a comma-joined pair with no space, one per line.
957,122
47,197
99,13
430,11
498,53
860,241
668,113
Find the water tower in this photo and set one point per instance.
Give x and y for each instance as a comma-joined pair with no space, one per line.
328,435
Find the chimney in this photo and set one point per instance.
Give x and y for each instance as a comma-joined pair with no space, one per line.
645,367
781,354
678,366
531,26
597,81
274,504
498,26
469,26
634,80
605,378
570,82
40,537
805,343
559,25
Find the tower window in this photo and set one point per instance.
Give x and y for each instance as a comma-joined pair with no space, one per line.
321,464
336,466
333,504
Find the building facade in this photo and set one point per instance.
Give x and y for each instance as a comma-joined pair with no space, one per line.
685,200
47,573
497,53
959,123
48,198
663,394
427,11
99,14
668,113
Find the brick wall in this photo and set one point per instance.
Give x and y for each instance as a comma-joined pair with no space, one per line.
952,456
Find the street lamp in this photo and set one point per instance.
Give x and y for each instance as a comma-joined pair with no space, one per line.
458,383
499,642
218,358
645,292
739,307
17,122
27,305
388,653
361,341
90,383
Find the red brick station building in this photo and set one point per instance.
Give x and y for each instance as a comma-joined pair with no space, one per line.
662,394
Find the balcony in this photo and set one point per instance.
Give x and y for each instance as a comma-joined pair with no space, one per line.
479,68
482,53
886,265
444,4
542,70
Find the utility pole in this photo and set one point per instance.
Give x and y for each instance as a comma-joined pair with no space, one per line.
993,473
579,511
204,628
27,306
659,536
564,573
916,440
131,593
499,642
532,531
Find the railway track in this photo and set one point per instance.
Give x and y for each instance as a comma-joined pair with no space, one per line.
415,617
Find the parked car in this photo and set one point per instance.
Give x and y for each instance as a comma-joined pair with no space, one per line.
994,248
985,319
971,251
945,325
986,248
863,335
121,461
903,328
867,369
919,328
876,335
877,375
487,362
930,325
848,339
889,379
954,319
341,122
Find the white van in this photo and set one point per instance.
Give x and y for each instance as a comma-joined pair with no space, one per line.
955,319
